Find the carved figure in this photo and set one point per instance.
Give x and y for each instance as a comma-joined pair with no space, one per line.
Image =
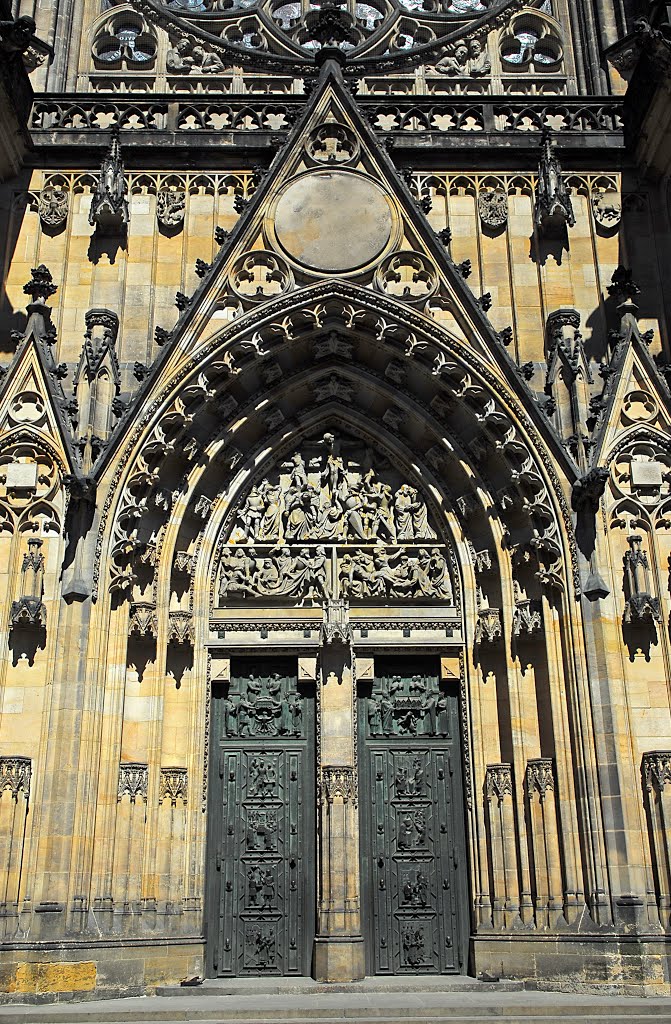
554,211
478,59
456,62
109,203
413,945
179,58
17,36
416,892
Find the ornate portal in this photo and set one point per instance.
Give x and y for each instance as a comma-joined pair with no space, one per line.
331,521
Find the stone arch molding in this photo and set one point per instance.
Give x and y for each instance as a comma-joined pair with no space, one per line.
251,386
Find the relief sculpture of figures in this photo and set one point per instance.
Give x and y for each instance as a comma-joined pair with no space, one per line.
407,707
285,540
332,498
262,706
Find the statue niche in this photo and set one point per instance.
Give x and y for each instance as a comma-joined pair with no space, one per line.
333,521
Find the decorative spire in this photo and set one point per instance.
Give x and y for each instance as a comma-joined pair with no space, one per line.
109,206
554,212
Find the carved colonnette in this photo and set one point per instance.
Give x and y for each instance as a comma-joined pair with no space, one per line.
656,777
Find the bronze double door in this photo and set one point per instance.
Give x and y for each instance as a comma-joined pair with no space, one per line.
261,878
413,853
261,861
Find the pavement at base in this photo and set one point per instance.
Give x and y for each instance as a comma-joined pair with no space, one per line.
374,1001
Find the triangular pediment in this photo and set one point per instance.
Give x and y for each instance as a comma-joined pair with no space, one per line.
637,400
333,206
29,405
332,211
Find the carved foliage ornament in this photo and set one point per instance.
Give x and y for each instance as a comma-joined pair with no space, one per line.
338,783
133,781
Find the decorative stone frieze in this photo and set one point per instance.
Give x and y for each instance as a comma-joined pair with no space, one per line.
133,781
15,775
656,770
498,781
173,784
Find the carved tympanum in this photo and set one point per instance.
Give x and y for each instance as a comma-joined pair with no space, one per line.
326,524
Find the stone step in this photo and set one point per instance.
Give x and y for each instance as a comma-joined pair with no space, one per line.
307,986
418,1007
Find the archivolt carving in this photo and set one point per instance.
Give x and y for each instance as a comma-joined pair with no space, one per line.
292,318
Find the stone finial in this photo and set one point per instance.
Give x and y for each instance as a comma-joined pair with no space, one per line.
29,611
554,210
109,205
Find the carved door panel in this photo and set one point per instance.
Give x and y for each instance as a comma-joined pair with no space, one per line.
413,827
261,871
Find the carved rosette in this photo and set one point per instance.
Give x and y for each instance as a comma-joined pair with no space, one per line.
338,783
133,781
498,781
173,785
540,776
407,275
656,770
260,275
332,143
15,775
488,628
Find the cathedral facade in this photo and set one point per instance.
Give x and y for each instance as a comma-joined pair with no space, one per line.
335,445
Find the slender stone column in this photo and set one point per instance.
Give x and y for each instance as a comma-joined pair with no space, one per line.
339,949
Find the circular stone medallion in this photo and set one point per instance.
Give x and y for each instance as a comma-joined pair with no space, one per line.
333,220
